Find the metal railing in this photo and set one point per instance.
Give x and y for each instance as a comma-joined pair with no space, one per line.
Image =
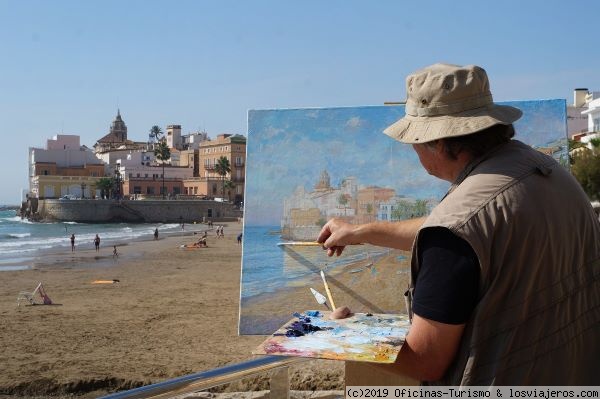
279,382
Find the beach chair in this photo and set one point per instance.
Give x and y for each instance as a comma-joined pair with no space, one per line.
31,296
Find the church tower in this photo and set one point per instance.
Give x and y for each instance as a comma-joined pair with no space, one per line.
118,129
324,182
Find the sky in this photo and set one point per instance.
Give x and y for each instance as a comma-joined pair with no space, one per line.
67,66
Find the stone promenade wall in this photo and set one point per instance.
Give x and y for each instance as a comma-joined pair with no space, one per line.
167,211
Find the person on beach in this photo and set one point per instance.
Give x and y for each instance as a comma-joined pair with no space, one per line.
115,253
72,242
239,239
97,243
504,276
156,233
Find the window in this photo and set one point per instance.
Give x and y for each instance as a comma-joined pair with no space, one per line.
138,175
150,190
176,190
596,124
137,189
146,175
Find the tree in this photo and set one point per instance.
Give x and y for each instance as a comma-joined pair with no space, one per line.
343,201
222,168
228,185
156,134
105,184
162,153
586,169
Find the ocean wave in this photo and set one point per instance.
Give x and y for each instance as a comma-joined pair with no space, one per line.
70,223
18,220
18,235
21,251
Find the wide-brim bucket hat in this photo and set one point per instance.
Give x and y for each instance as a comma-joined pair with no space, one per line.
445,101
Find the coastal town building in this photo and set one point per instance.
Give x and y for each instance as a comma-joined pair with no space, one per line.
587,104
142,175
193,140
173,136
369,199
64,168
208,182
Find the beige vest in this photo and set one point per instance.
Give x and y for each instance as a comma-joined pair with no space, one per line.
537,320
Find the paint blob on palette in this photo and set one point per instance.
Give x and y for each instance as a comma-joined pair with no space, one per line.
362,337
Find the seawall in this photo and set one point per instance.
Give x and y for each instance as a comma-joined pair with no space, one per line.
146,211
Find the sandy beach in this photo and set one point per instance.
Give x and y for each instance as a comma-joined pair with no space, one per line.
173,312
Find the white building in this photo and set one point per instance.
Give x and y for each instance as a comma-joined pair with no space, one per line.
577,122
64,151
593,115
192,141
174,137
63,167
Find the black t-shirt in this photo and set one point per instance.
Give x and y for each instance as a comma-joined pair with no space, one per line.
447,284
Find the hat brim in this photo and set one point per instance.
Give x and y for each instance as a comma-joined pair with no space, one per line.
421,129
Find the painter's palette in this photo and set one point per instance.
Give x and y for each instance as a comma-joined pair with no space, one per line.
363,337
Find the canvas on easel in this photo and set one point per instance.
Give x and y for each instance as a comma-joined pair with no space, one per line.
306,166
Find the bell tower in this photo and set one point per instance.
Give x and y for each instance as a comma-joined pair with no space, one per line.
118,128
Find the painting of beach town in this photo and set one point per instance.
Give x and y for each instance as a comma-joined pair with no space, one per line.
306,166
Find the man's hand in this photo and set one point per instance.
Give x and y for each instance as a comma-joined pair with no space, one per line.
336,234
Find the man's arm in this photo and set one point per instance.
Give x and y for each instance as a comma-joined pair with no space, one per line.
428,351
336,234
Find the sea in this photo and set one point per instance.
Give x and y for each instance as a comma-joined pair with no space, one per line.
21,241
267,267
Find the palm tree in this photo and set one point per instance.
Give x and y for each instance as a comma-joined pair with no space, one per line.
162,153
156,134
343,201
105,184
229,186
222,168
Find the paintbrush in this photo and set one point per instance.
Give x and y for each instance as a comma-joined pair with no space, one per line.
300,244
321,300
328,291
